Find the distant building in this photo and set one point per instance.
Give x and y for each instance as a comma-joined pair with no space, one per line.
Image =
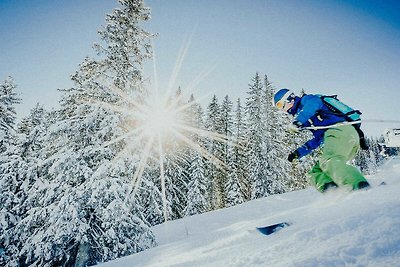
392,137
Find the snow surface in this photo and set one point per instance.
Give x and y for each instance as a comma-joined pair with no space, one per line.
339,228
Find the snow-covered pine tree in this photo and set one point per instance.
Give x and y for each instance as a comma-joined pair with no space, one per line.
376,147
8,100
369,160
240,148
234,194
277,171
214,171
151,198
178,163
196,200
196,194
32,130
256,132
176,179
82,215
11,164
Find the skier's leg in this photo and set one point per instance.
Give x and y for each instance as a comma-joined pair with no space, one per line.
340,146
319,179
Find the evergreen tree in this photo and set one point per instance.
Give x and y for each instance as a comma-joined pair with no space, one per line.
256,134
176,178
196,194
11,164
234,194
151,198
277,168
369,160
32,130
214,170
8,100
196,201
82,214
240,150
233,184
178,167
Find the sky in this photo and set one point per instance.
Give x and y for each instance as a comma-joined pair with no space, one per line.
345,47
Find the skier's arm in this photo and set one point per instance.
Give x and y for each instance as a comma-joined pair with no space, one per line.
311,104
310,145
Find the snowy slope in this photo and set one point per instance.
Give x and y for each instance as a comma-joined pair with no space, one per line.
337,229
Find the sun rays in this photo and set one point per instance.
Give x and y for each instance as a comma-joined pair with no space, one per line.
156,120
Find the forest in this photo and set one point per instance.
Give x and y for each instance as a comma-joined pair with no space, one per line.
85,183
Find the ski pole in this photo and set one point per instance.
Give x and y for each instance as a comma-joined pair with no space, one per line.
350,123
381,121
332,126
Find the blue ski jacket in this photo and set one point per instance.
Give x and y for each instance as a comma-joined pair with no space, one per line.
309,110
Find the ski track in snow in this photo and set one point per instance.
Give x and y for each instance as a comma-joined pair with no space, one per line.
339,228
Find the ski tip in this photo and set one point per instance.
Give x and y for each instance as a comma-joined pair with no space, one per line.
270,229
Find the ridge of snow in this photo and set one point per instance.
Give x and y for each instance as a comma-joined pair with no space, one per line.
339,228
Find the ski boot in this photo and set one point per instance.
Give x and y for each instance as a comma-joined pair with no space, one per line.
328,187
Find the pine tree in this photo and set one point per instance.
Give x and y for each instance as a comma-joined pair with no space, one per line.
234,191
196,201
368,160
176,178
196,194
32,130
8,100
11,164
277,171
240,150
234,194
82,214
256,137
179,161
214,170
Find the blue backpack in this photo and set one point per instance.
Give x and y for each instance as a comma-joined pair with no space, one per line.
339,108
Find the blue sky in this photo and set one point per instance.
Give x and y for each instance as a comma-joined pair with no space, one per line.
345,47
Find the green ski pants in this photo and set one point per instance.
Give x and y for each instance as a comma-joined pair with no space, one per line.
340,146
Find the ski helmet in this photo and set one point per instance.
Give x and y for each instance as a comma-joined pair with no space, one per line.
282,96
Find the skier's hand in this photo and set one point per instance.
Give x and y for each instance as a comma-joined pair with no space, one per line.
295,127
292,156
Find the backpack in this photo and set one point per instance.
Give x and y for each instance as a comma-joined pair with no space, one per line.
339,108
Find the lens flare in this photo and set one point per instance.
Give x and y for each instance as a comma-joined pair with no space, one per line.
154,121
159,119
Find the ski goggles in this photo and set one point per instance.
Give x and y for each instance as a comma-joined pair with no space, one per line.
287,98
281,104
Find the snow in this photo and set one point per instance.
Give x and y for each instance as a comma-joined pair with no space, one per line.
339,228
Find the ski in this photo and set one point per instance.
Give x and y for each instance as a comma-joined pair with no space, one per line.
270,229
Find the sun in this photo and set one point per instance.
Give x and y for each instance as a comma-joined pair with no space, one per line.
160,119
153,122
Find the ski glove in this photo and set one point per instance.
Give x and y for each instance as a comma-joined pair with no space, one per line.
295,127
292,156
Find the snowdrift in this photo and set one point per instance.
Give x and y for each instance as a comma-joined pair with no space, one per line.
339,228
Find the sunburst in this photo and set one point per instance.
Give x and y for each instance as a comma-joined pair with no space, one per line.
156,120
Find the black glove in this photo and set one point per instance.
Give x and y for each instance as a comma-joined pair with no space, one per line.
292,156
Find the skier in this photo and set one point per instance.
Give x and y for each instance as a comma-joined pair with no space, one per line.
340,144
